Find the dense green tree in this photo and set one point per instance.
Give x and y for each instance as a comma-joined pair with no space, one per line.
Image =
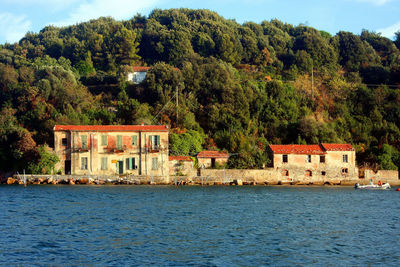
244,85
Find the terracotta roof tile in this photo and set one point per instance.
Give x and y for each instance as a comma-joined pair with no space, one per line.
181,158
112,128
212,154
297,149
140,68
337,147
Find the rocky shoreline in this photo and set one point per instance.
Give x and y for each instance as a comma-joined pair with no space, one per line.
205,181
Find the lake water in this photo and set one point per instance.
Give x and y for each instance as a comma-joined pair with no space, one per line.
201,226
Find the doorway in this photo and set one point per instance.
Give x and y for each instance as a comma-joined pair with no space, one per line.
212,163
67,167
120,167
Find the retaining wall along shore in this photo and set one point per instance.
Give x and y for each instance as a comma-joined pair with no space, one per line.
209,177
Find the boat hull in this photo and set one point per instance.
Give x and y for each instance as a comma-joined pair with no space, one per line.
372,186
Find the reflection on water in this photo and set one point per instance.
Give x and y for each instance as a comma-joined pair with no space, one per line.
128,225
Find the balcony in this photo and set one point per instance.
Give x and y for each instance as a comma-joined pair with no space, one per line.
153,149
81,150
115,149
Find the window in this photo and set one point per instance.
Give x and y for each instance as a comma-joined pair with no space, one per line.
84,141
104,163
345,158
285,173
134,140
323,173
104,140
119,142
322,159
154,165
64,141
284,158
130,164
154,141
345,171
84,165
308,173
308,158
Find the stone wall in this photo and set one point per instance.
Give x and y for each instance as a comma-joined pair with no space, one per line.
182,168
230,175
211,177
386,176
271,176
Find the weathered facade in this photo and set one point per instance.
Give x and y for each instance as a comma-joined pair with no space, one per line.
112,149
210,158
314,162
181,166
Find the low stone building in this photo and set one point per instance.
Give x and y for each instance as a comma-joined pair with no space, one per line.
211,158
112,149
309,163
181,166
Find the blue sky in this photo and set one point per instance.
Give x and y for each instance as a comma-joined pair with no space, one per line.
20,16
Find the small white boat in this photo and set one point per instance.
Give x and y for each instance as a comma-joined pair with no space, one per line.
372,186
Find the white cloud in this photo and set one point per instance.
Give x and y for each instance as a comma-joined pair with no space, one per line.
118,9
13,27
389,31
375,2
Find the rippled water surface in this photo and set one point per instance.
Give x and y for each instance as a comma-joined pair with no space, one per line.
209,226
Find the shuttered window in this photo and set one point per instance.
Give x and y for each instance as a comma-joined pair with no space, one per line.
84,165
84,141
119,142
134,140
154,141
130,164
154,165
104,163
104,140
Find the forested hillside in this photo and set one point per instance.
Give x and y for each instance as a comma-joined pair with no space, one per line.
239,87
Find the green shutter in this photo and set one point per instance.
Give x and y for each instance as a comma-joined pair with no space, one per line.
134,140
84,141
104,163
119,141
128,166
104,140
158,140
154,164
84,163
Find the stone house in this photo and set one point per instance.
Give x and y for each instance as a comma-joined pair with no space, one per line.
112,149
210,158
314,162
138,74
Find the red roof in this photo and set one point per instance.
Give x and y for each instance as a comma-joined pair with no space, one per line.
182,158
112,128
337,147
297,149
212,154
140,69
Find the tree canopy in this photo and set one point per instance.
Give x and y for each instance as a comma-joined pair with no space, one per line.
239,87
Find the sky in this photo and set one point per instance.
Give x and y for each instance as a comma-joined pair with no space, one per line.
17,17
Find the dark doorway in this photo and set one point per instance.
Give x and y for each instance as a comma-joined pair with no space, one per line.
212,163
67,167
120,167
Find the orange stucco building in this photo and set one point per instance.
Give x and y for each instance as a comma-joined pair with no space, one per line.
112,149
